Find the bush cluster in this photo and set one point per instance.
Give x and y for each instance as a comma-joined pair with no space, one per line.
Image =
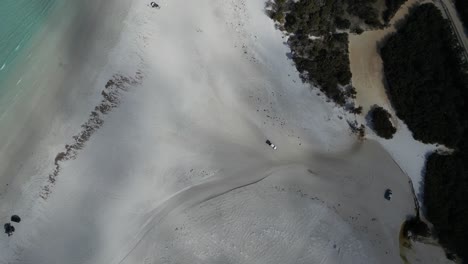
310,17
381,122
365,10
278,9
392,8
322,17
324,62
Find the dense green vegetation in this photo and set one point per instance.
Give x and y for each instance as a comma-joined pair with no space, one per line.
426,77
462,9
310,17
365,10
446,182
392,8
381,123
323,17
278,8
324,61
427,84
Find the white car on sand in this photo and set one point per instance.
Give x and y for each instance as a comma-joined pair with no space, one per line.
271,144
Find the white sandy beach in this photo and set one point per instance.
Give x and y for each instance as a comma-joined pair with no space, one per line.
179,172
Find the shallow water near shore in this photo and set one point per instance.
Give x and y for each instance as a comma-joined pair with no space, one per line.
22,23
21,19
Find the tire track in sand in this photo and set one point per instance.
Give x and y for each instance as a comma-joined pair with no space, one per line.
192,196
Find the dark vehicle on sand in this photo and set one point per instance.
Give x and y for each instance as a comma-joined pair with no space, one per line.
388,194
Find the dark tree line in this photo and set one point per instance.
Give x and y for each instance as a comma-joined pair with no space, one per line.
381,122
365,10
445,186
322,17
324,62
392,8
310,17
426,79
427,84
462,9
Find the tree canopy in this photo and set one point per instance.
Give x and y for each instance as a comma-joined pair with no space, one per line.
381,123
426,77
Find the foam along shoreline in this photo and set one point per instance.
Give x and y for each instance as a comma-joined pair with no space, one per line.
177,171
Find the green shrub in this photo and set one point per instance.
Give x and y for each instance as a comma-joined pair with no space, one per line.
342,23
392,7
278,9
365,10
324,62
381,123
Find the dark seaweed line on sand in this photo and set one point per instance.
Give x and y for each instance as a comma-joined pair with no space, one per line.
111,95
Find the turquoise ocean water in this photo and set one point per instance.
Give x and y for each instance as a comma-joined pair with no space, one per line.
20,20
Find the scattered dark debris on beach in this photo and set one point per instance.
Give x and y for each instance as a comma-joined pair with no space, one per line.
358,129
111,94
